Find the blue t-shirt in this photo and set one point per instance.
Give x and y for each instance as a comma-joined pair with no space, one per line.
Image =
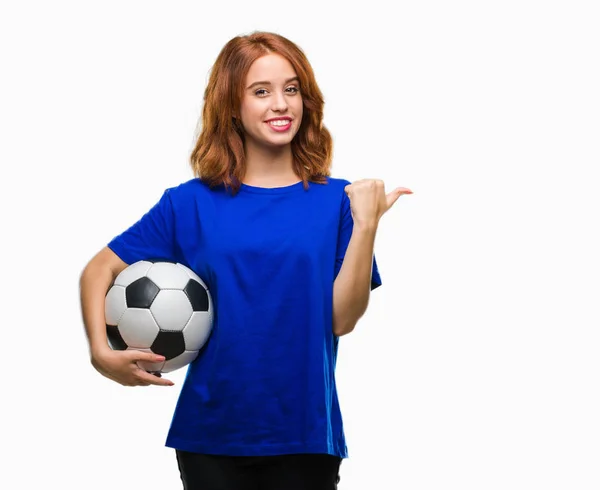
264,383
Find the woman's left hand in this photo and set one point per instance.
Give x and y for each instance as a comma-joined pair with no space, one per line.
368,201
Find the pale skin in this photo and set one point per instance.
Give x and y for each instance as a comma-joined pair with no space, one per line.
268,152
352,286
369,202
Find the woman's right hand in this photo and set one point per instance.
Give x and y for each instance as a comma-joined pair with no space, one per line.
121,366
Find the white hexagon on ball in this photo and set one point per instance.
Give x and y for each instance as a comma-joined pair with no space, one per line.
138,328
197,331
115,306
166,276
172,309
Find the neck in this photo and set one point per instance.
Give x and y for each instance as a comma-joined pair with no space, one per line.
269,164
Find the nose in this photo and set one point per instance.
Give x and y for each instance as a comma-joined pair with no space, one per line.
279,103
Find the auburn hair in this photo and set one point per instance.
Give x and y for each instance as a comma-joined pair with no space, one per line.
218,156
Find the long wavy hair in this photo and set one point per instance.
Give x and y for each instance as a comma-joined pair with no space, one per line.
218,156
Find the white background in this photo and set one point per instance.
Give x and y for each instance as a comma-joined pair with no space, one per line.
476,365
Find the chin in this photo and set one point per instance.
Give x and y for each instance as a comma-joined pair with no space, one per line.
279,140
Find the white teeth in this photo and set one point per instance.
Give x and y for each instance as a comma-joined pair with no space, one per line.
279,123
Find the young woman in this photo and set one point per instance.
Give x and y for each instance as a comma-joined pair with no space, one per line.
287,253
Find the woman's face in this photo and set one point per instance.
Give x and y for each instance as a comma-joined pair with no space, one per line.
275,96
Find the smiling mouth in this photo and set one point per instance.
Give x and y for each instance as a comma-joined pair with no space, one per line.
280,127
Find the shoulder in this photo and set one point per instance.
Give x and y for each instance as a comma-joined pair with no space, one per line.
338,185
186,189
338,182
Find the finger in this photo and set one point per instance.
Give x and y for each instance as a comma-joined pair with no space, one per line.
393,196
153,380
139,355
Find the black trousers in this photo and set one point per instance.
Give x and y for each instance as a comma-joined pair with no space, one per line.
285,472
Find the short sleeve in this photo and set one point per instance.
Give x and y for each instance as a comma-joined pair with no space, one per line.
151,237
344,234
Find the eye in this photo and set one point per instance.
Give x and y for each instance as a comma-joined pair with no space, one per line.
296,90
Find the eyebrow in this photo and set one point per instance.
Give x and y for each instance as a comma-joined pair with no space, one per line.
265,82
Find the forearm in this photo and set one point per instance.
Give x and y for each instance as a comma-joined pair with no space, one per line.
352,287
93,285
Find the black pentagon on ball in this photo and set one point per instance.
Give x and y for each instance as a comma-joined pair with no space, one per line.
114,336
169,344
141,293
197,295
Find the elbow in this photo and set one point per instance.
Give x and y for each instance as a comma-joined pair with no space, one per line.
345,326
344,323
340,329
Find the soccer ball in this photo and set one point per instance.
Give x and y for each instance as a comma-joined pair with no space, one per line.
160,307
